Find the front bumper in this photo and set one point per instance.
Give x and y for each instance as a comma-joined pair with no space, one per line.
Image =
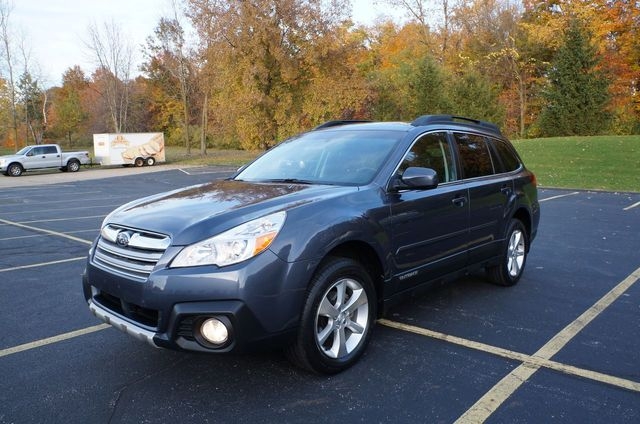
261,299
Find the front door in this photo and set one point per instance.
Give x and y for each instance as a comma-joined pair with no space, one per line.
429,228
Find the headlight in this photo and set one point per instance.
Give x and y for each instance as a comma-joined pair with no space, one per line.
236,245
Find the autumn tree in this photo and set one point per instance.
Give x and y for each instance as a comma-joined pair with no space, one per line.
114,57
577,95
68,106
400,63
170,69
263,55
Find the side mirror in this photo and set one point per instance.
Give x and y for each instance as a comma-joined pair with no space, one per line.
418,178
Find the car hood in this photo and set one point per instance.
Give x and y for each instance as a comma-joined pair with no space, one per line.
9,157
195,213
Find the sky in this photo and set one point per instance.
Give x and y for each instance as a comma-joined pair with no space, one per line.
56,31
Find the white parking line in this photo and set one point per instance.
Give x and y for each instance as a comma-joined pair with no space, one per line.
531,361
75,218
51,340
92,230
62,261
497,395
48,194
559,196
42,230
635,205
66,209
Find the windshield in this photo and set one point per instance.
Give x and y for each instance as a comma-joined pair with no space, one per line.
23,150
325,157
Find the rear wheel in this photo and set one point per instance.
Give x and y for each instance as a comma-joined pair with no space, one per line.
73,165
150,161
513,256
337,319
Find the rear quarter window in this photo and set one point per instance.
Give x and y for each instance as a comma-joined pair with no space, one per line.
475,157
506,155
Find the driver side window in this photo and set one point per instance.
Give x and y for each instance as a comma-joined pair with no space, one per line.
431,151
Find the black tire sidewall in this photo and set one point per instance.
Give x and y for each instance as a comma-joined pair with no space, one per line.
332,271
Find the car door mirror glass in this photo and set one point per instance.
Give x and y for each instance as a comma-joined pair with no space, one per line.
420,178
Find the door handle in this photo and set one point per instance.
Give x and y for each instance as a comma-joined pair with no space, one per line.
459,201
506,190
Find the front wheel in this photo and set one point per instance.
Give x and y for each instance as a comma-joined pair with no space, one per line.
513,256
138,162
15,170
337,319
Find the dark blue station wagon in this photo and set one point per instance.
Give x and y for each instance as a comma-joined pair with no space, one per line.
306,246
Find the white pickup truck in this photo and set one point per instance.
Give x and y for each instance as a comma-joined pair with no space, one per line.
42,156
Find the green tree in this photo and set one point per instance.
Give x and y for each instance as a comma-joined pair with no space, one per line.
32,100
474,95
577,94
429,88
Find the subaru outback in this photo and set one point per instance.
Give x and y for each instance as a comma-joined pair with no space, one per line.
305,247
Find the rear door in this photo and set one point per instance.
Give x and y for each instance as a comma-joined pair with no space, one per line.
429,228
489,195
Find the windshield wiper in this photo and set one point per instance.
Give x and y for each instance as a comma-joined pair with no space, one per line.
289,181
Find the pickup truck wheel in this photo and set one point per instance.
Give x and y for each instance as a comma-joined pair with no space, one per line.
73,165
150,161
337,319
513,256
138,162
15,170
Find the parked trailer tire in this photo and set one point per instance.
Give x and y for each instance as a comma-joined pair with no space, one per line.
150,161
138,162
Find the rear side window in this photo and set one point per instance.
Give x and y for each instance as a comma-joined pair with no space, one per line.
508,158
50,150
431,151
474,155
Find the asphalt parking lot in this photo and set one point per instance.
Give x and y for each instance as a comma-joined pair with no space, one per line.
561,346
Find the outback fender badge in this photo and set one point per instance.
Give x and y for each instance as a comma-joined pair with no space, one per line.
123,239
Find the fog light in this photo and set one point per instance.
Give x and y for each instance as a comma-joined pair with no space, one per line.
214,331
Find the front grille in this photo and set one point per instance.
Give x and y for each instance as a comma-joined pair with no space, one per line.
129,252
144,316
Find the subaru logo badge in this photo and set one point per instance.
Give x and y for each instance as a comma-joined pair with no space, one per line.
122,239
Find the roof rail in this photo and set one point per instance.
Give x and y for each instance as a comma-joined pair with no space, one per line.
338,123
440,119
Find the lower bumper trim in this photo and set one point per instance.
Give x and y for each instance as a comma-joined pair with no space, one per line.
121,324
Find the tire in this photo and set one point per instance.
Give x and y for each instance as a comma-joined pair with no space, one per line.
150,161
15,170
73,165
138,162
337,320
513,256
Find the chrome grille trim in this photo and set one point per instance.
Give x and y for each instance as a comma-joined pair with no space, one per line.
134,260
